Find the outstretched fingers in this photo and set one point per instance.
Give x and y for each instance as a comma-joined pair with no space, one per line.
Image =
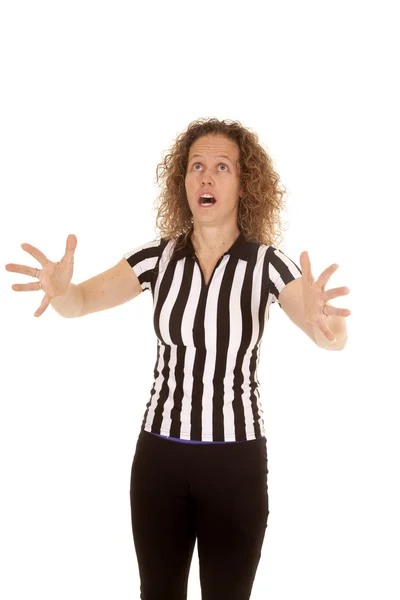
306,267
336,292
45,303
36,253
326,275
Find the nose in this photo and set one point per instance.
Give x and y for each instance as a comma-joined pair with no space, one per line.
206,177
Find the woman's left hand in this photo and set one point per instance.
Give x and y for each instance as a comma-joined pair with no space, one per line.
315,297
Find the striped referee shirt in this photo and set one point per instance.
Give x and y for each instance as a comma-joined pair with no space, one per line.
208,337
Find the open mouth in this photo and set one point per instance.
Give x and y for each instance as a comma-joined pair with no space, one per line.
207,202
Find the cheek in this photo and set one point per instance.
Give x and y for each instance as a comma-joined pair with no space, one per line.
190,182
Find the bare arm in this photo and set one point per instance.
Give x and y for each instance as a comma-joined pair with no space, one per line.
69,305
106,290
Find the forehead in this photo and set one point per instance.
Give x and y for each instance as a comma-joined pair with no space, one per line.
215,145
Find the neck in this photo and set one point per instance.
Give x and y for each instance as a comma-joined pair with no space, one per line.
211,242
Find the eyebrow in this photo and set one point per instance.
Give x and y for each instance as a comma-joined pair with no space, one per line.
220,156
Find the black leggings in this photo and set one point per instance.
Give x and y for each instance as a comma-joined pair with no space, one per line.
217,493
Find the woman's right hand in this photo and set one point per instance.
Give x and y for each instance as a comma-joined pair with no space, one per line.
54,277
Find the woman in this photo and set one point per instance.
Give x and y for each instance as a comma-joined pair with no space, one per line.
200,465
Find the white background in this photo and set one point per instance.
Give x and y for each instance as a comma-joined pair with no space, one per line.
92,95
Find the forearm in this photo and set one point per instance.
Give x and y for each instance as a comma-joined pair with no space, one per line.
339,329
71,304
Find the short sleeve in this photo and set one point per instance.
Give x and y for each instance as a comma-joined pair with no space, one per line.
143,260
282,270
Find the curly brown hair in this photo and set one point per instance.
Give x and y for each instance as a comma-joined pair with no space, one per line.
259,211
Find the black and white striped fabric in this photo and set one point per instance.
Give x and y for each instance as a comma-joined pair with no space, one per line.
208,337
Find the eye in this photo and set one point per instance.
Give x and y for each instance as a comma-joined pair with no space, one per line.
218,165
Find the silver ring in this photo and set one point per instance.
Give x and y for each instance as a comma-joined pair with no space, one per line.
323,310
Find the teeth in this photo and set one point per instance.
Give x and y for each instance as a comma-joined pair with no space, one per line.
207,196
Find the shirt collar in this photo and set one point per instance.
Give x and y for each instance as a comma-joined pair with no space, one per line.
239,249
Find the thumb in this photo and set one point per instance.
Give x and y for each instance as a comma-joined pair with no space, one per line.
70,246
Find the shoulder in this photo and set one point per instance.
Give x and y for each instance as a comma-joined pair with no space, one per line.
146,249
279,259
